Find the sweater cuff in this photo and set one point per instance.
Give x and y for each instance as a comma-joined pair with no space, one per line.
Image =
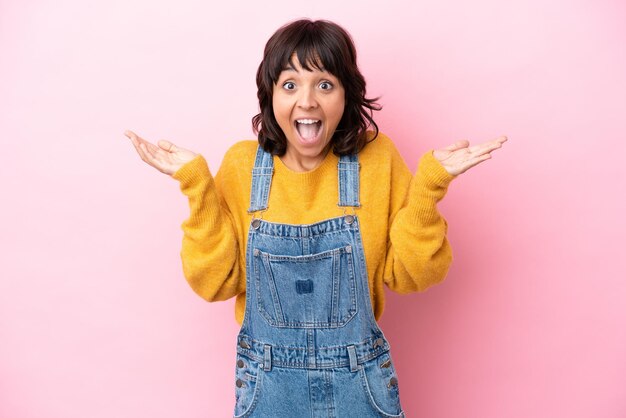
192,171
433,173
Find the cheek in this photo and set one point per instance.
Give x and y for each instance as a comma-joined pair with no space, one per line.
337,112
279,113
282,111
282,120
338,107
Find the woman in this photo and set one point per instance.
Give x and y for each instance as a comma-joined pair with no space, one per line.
306,224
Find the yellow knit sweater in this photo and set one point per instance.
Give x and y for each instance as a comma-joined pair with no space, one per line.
403,234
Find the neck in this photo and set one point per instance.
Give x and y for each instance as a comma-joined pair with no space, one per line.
301,163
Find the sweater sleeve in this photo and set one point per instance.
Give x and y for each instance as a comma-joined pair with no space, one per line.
419,253
209,250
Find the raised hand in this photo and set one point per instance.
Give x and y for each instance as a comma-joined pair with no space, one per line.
166,157
459,157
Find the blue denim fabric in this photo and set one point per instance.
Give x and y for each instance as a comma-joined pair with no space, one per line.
309,345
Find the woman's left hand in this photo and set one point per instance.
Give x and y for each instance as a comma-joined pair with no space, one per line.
460,157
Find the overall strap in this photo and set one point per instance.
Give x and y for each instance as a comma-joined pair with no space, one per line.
348,171
348,176
261,180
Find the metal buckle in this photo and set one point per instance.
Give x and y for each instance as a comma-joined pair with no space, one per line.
256,222
349,217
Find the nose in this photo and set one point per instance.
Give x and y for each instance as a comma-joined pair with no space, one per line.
306,99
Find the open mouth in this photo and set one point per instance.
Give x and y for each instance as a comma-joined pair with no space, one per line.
309,130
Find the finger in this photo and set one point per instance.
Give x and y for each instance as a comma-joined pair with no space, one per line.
153,159
159,157
143,152
133,136
485,147
149,148
137,141
146,151
499,140
457,145
167,146
137,144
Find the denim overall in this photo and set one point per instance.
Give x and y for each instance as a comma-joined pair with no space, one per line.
309,345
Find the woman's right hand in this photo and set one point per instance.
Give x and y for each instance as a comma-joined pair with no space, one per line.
166,157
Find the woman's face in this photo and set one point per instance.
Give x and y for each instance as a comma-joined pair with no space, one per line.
308,106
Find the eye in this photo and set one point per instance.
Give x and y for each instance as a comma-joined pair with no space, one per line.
326,85
289,85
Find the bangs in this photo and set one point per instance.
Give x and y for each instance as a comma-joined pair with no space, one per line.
314,51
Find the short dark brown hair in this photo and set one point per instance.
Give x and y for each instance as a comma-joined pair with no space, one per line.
318,44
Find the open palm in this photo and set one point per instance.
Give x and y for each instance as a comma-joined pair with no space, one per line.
165,156
460,157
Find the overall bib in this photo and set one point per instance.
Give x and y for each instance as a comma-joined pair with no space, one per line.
309,345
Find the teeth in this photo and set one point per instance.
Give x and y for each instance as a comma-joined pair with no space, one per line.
307,121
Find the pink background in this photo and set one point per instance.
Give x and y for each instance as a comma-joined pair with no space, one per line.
96,319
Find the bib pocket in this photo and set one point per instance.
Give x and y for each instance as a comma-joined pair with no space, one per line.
309,291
